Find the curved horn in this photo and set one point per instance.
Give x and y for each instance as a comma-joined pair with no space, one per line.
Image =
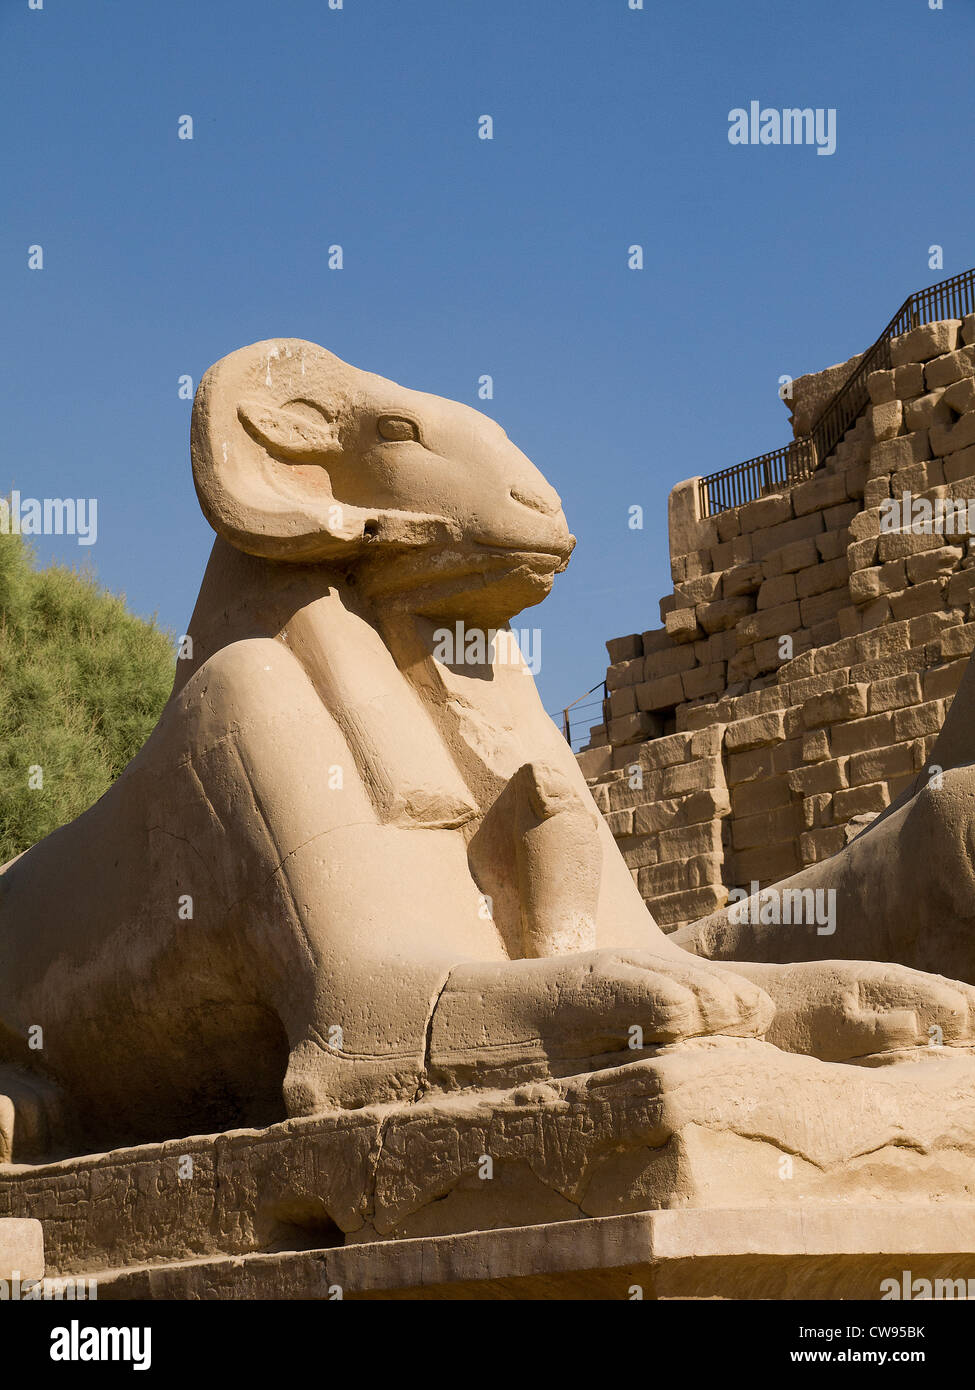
265,421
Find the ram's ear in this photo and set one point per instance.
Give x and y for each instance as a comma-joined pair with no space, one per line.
299,430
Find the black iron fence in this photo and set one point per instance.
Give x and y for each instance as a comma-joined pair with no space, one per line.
743,482
582,714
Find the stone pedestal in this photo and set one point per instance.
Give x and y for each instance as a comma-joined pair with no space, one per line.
838,1252
708,1168
21,1249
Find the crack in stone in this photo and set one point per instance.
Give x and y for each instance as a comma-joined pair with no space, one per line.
423,1080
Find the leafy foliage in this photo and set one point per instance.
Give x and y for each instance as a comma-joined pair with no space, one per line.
82,683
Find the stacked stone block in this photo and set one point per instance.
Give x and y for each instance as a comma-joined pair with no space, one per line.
807,656
667,808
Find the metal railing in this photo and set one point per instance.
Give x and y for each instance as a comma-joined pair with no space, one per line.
743,482
580,708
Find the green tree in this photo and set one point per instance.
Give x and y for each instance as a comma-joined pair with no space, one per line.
82,683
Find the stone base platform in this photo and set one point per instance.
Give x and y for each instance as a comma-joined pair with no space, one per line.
699,1170
841,1252
21,1249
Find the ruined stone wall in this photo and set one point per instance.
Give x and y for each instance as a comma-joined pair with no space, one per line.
807,655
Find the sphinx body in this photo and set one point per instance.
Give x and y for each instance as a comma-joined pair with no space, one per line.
341,871
903,889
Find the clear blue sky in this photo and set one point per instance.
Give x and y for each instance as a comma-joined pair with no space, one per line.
462,256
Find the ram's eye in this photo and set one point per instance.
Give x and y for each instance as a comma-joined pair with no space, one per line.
397,427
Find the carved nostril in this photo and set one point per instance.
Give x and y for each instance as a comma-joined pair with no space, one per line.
547,506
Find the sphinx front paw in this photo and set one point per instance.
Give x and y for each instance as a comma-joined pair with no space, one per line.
848,1010
500,1022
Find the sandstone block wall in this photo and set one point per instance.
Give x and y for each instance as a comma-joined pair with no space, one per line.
806,656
